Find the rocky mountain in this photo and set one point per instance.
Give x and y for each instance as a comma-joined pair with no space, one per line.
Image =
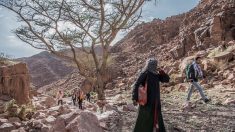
45,68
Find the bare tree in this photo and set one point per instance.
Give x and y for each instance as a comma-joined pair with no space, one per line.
75,25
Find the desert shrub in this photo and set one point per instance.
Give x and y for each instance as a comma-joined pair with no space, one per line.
11,108
24,112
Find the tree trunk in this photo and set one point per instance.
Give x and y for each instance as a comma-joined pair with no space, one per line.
101,87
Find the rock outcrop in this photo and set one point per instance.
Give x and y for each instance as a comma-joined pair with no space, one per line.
15,82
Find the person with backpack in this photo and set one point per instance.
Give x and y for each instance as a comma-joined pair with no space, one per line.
80,98
74,97
149,116
193,73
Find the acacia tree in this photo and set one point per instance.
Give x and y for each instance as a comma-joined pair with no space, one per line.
75,25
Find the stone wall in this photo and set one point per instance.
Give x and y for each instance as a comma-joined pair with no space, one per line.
15,82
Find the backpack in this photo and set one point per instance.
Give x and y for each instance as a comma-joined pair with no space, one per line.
188,71
81,96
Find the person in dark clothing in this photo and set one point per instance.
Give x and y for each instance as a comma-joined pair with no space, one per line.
74,97
194,74
150,116
88,97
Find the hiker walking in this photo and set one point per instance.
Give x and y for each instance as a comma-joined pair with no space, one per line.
80,98
59,97
193,73
150,116
74,97
88,96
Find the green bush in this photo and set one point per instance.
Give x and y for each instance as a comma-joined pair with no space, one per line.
24,112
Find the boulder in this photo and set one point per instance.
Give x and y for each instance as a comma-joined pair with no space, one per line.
69,117
59,125
64,109
48,102
49,120
85,122
46,128
14,119
6,127
109,120
2,121
17,124
223,56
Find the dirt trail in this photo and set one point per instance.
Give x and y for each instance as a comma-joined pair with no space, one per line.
209,117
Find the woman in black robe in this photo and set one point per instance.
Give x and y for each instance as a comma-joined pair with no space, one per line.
149,116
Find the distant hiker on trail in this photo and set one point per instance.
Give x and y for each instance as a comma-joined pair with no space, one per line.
193,73
59,97
88,96
80,98
149,116
74,96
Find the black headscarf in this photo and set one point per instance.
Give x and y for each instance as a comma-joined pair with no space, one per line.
151,65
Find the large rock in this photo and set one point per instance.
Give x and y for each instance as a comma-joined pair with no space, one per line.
6,127
15,81
69,117
3,121
49,120
34,125
59,125
85,122
14,119
109,120
223,56
48,101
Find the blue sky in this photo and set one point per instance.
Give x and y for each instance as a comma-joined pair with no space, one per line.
14,47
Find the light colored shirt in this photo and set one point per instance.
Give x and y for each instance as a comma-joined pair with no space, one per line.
59,95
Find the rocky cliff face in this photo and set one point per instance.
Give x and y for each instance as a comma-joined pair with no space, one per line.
210,24
15,82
